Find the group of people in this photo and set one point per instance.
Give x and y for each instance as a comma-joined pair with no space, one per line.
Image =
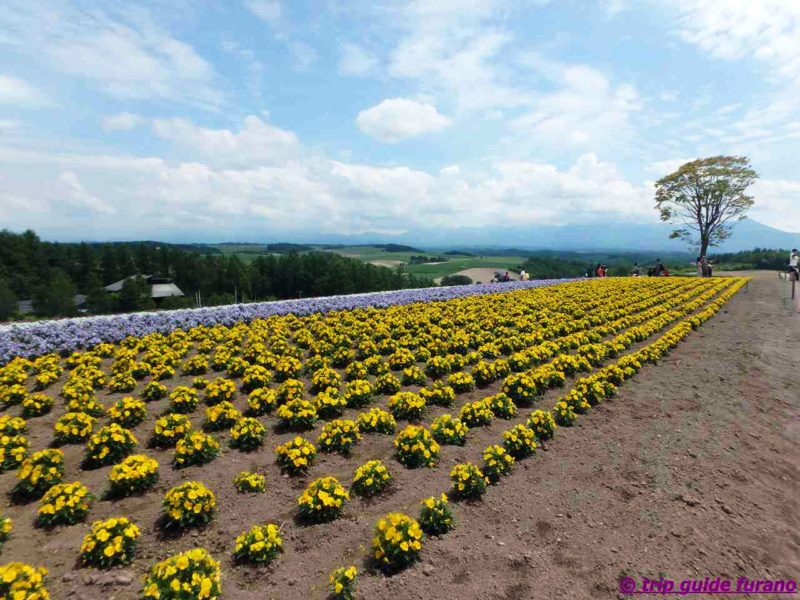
659,270
794,264
705,267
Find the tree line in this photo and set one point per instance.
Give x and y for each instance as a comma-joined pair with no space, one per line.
50,274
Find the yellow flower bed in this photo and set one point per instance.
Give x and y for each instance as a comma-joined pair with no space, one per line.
39,473
220,390
195,448
134,475
339,435
415,447
296,455
12,425
447,430
468,481
343,583
246,482
476,414
376,421
36,405
439,394
169,429
73,428
519,441
247,434
397,542
358,393
13,450
189,575
260,545
6,525
261,401
371,479
109,543
297,414
435,517
109,445
502,406
64,504
221,416
543,424
128,412
154,391
322,501
183,400
188,505
497,462
19,581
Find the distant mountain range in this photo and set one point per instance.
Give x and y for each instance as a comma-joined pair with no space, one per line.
747,234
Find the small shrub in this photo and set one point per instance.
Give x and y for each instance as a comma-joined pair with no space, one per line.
297,414
447,430
261,401
196,365
64,504
246,482
396,543
154,391
109,446
260,545
407,406
194,573
195,448
73,428
476,414
437,366
23,582
435,517
376,421
343,583
169,429
128,412
564,414
354,371
183,400
376,366
134,475
220,390
123,383
13,450
256,377
401,359
358,393
496,463
371,479
388,384
461,382
338,436
287,368
295,456
188,505
110,543
322,501
247,434
329,404
413,376
221,416
325,378
36,405
468,481
6,525
415,447
88,405
290,389
521,388
39,472
439,394
502,406
520,441
543,424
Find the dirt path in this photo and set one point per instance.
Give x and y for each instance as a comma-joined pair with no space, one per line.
482,274
692,471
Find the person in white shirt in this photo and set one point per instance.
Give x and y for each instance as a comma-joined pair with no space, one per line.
794,264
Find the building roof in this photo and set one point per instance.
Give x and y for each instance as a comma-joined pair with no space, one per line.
165,290
117,285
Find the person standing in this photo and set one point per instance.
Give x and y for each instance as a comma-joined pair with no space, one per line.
794,264
699,265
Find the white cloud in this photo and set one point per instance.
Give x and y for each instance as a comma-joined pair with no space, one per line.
355,60
269,10
775,200
20,93
80,199
302,55
126,55
256,142
123,121
665,167
397,119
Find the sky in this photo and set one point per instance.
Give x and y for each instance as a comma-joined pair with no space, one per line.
271,120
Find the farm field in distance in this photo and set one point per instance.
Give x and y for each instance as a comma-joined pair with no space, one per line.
368,385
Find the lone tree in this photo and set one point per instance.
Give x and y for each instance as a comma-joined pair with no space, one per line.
706,197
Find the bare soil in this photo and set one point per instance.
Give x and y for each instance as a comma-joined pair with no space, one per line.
482,274
690,471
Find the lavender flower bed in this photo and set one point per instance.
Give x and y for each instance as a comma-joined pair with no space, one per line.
34,339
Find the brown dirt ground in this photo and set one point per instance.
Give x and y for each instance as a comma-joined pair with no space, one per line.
691,471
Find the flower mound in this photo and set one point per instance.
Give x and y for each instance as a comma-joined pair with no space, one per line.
447,430
13,450
261,401
338,436
185,576
248,434
396,543
376,421
476,414
154,391
358,393
73,428
109,446
543,424
461,382
220,390
496,463
435,516
371,478
6,525
169,429
246,482
195,449
110,543
329,404
502,406
259,545
41,471
415,447
322,501
295,456
128,412
343,583
188,504
64,504
221,416
468,481
36,405
564,414
439,394
19,581
519,441
183,400
134,475
297,415
407,406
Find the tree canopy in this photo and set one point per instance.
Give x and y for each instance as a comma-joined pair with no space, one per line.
705,198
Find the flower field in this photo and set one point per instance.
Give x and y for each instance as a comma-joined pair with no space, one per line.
199,450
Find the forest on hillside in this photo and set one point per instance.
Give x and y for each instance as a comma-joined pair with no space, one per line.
50,274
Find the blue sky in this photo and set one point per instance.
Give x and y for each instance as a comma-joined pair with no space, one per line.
274,120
